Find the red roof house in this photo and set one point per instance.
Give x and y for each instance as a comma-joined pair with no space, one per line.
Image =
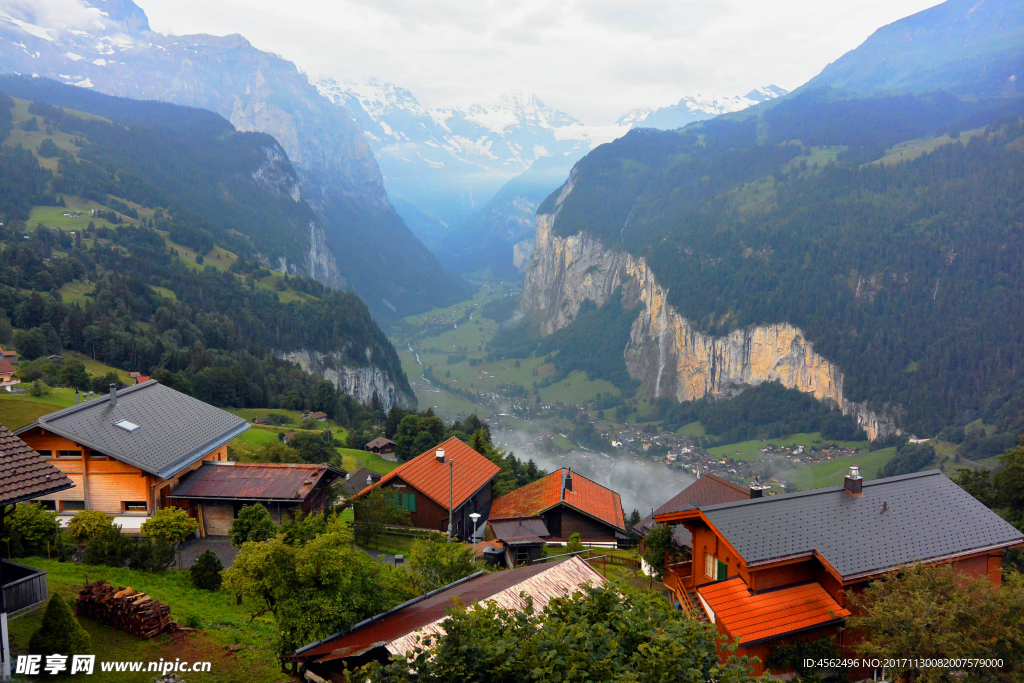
568,503
421,487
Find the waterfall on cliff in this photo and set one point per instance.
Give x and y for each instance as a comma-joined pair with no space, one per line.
661,348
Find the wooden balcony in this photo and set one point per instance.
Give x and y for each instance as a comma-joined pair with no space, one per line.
23,586
679,580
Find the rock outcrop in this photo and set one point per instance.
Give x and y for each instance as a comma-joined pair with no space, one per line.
358,381
667,353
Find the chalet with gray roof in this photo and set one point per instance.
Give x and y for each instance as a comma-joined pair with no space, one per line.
127,450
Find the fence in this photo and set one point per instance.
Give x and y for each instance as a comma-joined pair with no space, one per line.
23,586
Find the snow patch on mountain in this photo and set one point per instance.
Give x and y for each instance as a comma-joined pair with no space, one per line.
698,108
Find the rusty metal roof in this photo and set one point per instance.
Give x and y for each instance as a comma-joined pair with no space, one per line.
24,474
430,477
401,629
255,481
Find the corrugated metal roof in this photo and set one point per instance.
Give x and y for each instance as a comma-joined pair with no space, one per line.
175,431
400,631
506,530
431,478
709,489
24,474
772,614
894,521
586,496
258,481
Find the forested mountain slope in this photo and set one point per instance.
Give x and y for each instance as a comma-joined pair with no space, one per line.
806,245
360,240
144,246
966,47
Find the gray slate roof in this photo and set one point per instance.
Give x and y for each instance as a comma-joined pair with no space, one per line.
928,517
175,430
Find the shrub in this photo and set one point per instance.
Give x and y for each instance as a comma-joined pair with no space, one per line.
38,388
59,632
33,527
204,574
109,547
656,542
88,524
253,524
574,545
170,525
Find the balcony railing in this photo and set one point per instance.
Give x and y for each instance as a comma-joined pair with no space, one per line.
23,586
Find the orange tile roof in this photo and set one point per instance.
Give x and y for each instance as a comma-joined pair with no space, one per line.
756,617
587,496
430,477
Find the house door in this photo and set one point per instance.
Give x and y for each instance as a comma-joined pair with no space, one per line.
723,571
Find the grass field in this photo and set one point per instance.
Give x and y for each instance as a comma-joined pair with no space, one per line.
693,429
257,436
94,367
17,412
912,149
751,450
830,472
371,461
223,624
252,413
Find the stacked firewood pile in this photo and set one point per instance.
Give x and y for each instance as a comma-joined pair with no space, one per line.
125,609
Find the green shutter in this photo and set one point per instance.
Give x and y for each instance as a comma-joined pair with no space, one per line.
409,502
723,570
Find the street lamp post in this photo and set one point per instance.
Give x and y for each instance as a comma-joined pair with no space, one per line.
475,516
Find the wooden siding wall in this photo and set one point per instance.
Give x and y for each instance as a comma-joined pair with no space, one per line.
430,515
217,517
563,522
105,483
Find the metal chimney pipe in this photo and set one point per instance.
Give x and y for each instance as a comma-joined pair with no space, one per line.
113,395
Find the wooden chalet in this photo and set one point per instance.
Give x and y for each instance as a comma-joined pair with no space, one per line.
709,489
216,491
127,450
450,474
400,630
775,569
7,378
380,445
567,503
24,475
359,480
522,540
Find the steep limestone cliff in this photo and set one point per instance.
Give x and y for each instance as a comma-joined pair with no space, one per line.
359,382
666,352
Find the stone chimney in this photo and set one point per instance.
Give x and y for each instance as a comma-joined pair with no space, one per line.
568,479
854,483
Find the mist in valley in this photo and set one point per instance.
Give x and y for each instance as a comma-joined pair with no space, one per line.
642,485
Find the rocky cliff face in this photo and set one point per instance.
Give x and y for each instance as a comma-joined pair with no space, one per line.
359,382
666,352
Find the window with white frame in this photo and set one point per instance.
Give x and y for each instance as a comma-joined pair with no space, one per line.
710,565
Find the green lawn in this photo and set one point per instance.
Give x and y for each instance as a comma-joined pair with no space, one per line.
251,413
693,429
258,435
75,291
830,472
223,624
751,450
18,412
370,460
95,367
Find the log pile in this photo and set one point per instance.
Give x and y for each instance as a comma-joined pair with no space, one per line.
124,609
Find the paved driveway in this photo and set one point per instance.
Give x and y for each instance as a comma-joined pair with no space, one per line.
220,545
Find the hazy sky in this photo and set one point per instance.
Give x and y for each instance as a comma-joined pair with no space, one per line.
595,59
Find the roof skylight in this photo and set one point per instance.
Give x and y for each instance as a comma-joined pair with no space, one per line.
126,425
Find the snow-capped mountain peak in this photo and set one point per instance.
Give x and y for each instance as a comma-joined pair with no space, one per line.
697,108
